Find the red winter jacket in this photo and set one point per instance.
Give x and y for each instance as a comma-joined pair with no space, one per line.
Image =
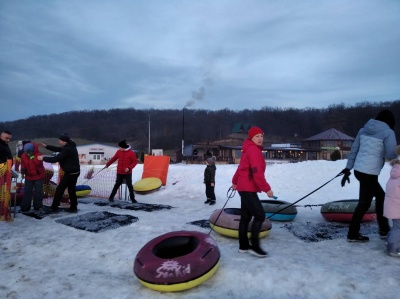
250,175
31,166
126,159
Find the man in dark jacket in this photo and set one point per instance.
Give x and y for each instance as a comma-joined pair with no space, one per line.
5,152
69,162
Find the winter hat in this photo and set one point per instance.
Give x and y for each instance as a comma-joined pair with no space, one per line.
387,117
123,144
253,131
64,137
28,148
210,161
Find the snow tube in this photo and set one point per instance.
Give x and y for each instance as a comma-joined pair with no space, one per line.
147,185
342,210
228,223
156,167
49,190
286,212
82,190
177,261
49,172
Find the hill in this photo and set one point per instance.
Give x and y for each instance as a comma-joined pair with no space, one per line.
167,128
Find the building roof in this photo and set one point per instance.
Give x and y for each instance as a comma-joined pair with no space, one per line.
331,134
241,128
96,144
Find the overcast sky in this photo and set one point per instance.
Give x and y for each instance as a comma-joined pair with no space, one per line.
63,55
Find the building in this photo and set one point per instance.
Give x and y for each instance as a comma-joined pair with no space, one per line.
321,146
229,151
95,153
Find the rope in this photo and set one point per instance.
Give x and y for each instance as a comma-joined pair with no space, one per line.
230,193
305,196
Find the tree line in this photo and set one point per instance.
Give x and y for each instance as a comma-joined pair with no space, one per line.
169,126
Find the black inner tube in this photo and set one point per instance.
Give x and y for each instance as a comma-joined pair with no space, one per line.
175,246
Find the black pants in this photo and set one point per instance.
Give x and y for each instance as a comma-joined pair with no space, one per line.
119,181
210,191
369,188
250,207
68,181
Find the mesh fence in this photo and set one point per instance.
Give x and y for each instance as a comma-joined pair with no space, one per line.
5,190
98,179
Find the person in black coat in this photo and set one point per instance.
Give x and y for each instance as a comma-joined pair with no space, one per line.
209,181
5,152
69,162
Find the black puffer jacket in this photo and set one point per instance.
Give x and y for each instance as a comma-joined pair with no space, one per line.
209,174
67,157
5,152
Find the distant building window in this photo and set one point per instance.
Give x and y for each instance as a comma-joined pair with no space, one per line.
347,143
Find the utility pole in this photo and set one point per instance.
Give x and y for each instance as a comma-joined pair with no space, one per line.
149,134
183,130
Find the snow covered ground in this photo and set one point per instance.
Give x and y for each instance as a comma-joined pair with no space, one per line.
47,259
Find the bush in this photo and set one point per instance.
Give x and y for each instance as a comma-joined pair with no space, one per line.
336,155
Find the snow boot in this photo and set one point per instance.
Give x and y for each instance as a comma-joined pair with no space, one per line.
255,247
358,239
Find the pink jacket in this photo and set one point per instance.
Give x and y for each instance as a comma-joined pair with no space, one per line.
250,175
391,208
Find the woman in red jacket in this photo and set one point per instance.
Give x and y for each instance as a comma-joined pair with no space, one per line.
126,162
33,171
249,179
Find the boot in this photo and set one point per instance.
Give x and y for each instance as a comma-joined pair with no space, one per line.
358,239
392,250
255,249
208,201
132,196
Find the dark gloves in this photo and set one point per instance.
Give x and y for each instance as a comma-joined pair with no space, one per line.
346,176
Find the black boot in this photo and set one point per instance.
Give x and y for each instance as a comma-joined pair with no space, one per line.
132,196
256,249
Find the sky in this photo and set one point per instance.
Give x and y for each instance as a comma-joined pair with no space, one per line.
58,56
47,259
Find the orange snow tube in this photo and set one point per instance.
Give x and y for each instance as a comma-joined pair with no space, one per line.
156,167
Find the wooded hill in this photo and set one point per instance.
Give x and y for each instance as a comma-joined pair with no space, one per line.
166,126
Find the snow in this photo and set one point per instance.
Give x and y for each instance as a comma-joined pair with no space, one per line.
46,259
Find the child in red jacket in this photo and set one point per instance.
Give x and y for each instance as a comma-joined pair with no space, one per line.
33,171
127,160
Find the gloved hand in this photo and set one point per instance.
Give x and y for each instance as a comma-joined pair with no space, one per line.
346,176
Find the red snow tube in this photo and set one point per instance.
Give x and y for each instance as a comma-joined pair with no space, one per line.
177,261
342,210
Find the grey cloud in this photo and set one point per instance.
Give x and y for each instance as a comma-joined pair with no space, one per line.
71,55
